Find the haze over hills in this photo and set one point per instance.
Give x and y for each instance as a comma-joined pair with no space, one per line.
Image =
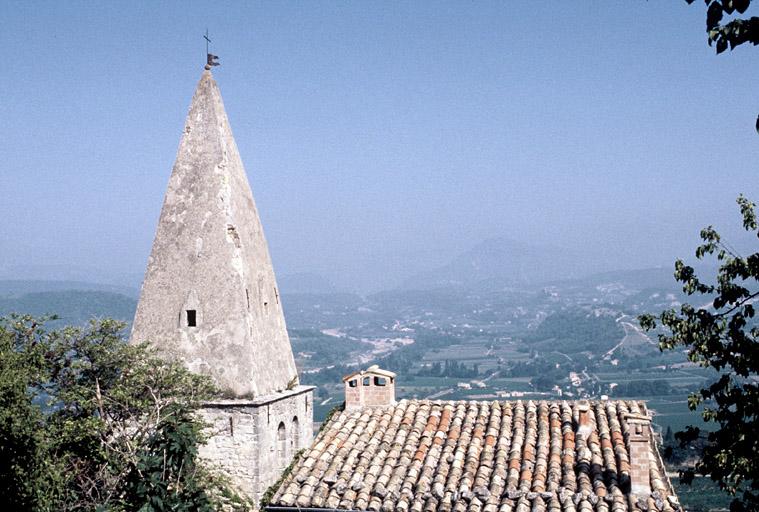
499,262
17,287
529,334
72,307
311,300
74,302
305,283
494,264
82,277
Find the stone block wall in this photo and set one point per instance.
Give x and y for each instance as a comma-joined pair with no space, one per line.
376,394
253,441
353,393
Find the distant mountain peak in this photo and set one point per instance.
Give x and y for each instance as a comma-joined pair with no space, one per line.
500,261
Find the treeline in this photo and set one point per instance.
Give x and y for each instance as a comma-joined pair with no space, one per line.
450,368
531,368
644,388
574,331
545,374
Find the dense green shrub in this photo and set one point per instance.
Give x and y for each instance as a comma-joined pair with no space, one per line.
88,422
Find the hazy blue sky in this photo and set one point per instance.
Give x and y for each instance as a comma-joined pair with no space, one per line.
379,137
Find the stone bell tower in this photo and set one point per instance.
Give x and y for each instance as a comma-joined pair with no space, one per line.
210,300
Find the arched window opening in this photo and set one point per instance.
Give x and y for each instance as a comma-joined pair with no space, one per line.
281,444
295,435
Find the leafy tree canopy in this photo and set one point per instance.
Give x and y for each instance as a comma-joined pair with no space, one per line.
88,422
724,335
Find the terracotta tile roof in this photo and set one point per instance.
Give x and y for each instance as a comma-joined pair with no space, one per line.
492,456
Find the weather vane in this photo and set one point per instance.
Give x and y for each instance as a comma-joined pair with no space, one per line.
211,59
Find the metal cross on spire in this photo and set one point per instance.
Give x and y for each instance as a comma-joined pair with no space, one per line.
211,59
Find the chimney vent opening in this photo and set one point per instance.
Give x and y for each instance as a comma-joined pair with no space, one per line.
372,387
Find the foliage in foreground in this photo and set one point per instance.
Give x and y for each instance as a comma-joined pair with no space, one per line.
734,32
702,495
724,335
88,422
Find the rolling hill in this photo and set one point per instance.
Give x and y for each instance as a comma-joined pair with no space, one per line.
73,307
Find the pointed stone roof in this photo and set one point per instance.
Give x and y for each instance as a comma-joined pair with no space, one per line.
209,297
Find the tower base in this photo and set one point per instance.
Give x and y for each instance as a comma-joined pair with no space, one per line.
253,440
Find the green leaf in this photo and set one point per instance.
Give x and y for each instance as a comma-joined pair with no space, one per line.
741,5
713,15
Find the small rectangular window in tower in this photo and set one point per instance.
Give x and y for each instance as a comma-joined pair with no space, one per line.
192,318
380,381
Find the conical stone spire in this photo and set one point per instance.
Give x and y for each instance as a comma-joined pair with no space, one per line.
209,297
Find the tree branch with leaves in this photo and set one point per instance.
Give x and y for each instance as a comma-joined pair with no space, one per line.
724,335
734,32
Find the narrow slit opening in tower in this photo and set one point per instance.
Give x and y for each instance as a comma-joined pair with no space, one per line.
192,318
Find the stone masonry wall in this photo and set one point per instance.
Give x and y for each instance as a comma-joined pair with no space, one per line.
352,395
252,441
639,449
276,455
375,395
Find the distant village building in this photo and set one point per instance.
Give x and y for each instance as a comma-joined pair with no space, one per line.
210,300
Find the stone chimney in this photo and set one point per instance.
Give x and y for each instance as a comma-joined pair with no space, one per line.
639,447
372,387
584,426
